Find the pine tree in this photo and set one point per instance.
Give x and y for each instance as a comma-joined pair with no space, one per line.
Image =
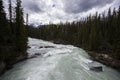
10,15
4,33
3,25
117,45
21,36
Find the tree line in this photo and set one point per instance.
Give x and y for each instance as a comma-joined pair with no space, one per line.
99,32
13,33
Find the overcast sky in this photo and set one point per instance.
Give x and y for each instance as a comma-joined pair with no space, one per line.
54,11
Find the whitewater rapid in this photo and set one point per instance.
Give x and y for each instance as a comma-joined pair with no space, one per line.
48,61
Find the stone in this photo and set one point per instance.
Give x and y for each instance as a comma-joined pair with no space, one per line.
49,47
97,69
37,54
41,47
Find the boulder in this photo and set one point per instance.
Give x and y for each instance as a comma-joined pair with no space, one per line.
38,54
41,47
97,69
46,47
49,47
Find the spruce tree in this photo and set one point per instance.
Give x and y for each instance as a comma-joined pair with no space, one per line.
21,36
10,15
3,25
4,33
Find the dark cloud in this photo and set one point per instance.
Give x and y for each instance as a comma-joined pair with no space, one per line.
54,11
53,5
33,8
77,6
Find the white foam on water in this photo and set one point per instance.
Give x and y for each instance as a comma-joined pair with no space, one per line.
62,62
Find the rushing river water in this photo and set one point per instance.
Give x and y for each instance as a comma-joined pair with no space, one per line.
57,62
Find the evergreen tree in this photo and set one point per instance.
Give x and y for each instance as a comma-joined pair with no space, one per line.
3,24
13,37
10,15
21,36
4,33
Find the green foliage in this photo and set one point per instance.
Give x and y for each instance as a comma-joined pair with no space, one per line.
13,33
4,29
21,37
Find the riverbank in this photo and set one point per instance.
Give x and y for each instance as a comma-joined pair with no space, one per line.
4,66
105,59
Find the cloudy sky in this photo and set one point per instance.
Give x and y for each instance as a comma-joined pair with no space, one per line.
54,11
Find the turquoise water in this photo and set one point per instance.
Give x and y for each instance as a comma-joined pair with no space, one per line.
63,62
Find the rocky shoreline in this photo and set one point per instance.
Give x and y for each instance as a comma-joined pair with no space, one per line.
4,66
105,59
100,57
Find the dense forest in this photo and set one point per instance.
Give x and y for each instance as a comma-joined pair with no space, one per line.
13,35
99,32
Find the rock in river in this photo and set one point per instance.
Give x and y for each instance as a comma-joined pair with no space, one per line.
97,69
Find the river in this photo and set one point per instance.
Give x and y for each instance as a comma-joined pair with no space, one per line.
58,62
